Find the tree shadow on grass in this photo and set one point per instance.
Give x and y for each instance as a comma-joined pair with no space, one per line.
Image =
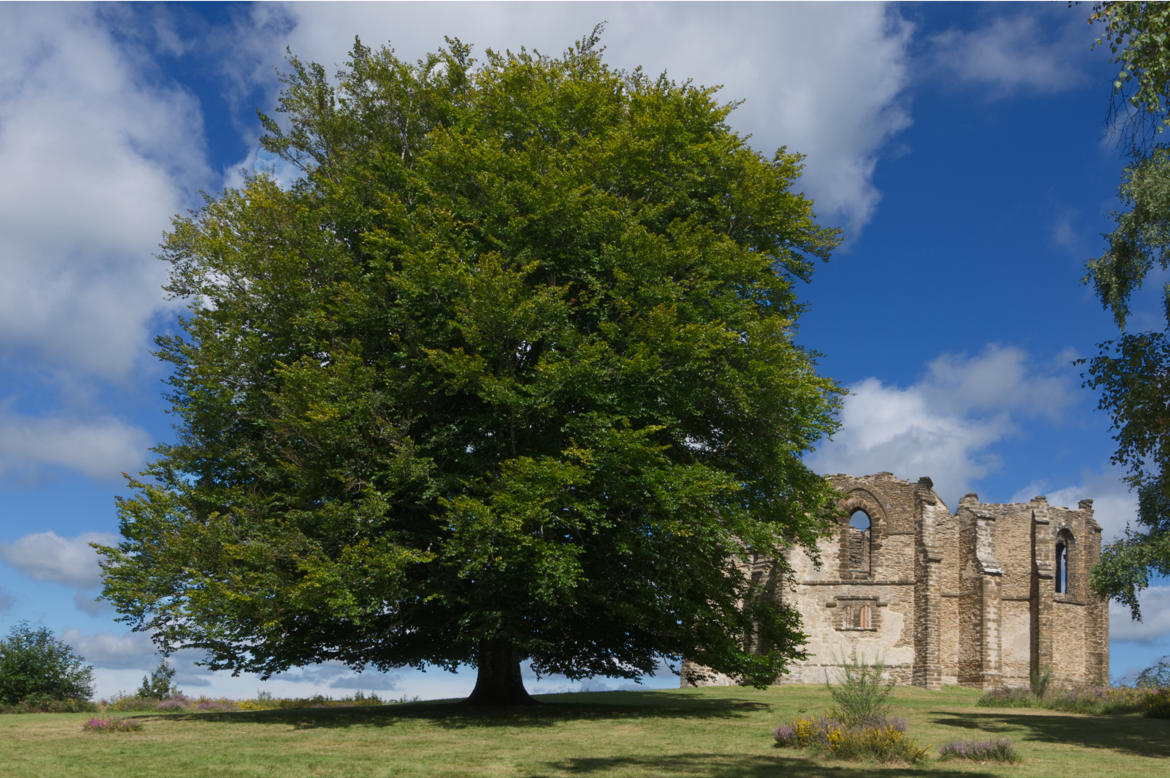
750,765
1135,734
452,714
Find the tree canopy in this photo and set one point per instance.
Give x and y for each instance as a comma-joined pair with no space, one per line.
36,668
1132,373
159,684
507,373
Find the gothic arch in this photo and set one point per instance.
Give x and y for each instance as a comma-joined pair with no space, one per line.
860,541
1063,572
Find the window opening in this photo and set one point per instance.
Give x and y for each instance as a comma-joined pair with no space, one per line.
1064,540
858,615
858,546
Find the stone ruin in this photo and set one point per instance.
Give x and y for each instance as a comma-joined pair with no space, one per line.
983,597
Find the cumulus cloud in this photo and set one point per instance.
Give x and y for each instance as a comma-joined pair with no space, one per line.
46,556
1026,51
372,681
326,672
133,650
1114,505
96,156
1001,378
96,447
1155,623
825,80
943,424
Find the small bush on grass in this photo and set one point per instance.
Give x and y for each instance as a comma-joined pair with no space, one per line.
173,702
861,695
883,740
111,725
1000,750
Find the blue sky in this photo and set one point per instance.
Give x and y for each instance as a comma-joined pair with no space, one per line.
963,149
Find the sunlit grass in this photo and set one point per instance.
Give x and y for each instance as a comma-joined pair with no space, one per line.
694,732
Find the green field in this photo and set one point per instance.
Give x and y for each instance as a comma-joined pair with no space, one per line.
696,732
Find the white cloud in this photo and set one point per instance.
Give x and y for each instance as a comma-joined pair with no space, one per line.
96,158
98,448
825,80
368,681
943,424
1021,52
1155,623
323,673
1114,505
260,161
46,556
999,379
133,650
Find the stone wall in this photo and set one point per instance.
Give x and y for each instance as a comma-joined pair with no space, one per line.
968,598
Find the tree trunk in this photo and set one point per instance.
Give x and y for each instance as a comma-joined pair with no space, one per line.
499,681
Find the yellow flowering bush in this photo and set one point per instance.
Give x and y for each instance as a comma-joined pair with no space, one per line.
883,740
1157,704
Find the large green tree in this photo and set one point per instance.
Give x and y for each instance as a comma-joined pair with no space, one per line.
1132,372
36,668
508,373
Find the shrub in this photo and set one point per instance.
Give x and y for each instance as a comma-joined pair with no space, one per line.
884,739
130,704
43,704
34,665
111,725
265,701
1157,704
861,695
1156,675
204,705
173,702
1096,700
1000,750
1041,679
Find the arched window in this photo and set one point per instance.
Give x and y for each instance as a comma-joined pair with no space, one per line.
1064,541
859,537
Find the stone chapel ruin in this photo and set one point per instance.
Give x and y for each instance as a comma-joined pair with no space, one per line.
983,597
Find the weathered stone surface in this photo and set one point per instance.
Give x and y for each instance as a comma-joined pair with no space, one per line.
967,598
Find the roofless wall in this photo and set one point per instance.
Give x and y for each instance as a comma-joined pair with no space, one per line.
982,597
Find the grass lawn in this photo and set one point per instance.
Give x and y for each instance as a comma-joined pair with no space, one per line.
694,732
